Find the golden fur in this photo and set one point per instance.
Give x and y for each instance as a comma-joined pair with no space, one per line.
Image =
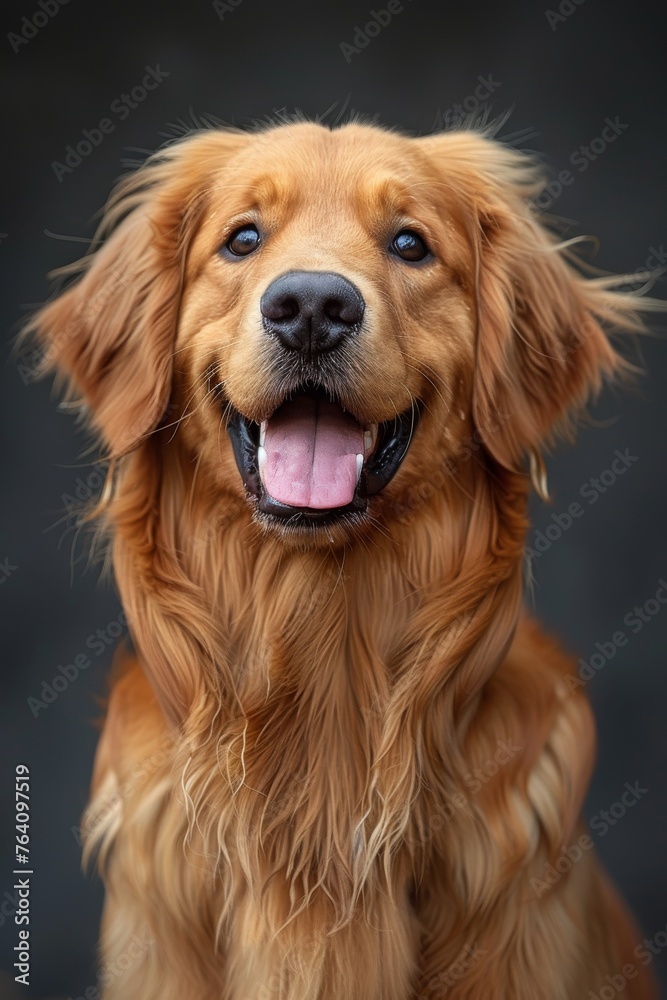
282,802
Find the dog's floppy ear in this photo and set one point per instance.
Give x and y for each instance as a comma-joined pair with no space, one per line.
112,332
541,348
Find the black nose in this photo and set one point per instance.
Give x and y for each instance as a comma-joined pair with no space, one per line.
311,311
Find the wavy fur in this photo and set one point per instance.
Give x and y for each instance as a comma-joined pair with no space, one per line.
337,765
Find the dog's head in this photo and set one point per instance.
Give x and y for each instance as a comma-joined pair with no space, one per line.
329,318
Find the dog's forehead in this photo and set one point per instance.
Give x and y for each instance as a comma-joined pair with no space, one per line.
308,164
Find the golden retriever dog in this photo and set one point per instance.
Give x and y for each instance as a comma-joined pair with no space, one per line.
342,763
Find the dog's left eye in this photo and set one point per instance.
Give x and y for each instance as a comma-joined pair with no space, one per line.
243,241
409,245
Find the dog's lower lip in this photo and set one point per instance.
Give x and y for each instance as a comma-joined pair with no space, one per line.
385,447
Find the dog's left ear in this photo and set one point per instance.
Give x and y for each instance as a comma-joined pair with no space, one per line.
111,334
541,348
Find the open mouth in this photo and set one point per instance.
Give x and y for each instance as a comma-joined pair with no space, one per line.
312,462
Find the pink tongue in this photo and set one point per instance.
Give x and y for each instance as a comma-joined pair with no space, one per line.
311,454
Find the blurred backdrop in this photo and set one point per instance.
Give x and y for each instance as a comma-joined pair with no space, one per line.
586,78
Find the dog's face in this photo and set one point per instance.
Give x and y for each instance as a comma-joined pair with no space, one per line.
352,307
328,308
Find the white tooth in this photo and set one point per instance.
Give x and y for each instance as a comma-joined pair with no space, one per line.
261,459
370,437
262,432
360,465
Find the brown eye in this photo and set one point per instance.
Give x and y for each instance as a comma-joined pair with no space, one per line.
409,246
243,241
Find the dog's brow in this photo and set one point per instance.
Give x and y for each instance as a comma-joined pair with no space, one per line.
269,191
387,195
262,191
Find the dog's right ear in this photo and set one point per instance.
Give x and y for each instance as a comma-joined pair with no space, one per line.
112,332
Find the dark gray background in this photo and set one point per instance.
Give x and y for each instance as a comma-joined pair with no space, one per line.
604,59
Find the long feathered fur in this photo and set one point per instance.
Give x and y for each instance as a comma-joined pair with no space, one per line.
336,771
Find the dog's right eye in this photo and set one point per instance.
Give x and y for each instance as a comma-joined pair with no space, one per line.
243,241
409,245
